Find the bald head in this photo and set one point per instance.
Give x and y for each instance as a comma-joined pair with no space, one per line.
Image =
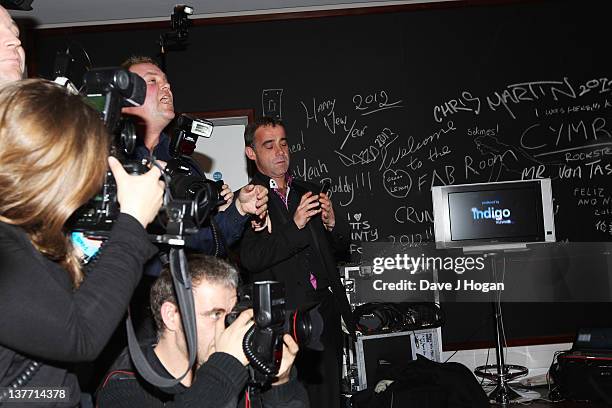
12,56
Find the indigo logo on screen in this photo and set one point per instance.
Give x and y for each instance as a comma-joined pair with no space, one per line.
500,215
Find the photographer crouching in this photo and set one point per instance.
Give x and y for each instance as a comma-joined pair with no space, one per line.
54,153
220,376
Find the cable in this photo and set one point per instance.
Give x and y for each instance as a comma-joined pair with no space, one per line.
213,229
554,394
486,321
88,65
22,379
501,314
255,361
84,51
486,364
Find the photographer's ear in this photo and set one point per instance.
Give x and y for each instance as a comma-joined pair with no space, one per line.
170,316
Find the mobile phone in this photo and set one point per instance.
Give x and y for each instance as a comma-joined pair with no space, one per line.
325,187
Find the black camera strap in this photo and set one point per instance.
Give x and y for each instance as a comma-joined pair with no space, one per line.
184,298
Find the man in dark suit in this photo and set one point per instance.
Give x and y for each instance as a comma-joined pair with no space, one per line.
298,248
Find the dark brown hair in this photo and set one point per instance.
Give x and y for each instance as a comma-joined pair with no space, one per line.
249,132
201,268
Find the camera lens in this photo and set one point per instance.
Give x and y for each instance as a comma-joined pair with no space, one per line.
186,186
306,327
127,135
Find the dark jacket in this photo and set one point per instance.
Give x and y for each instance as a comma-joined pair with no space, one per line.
218,383
287,254
45,320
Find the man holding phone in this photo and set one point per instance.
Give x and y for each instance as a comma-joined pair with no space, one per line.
300,250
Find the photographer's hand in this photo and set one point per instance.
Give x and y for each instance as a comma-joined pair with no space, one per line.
140,196
259,225
308,208
229,340
290,350
253,200
228,196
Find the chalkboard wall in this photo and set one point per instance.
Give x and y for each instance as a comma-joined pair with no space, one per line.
386,105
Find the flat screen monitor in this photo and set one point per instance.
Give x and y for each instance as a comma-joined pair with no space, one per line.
493,215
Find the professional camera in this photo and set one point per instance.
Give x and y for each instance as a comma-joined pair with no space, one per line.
188,183
263,343
188,179
108,90
189,197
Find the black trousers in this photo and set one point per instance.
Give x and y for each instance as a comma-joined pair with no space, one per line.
321,371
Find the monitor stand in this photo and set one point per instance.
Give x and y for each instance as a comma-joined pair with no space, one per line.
503,393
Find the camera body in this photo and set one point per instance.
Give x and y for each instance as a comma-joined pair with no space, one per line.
187,183
193,198
98,215
108,90
263,344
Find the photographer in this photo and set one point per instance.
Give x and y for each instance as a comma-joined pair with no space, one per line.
153,117
220,375
12,56
53,159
